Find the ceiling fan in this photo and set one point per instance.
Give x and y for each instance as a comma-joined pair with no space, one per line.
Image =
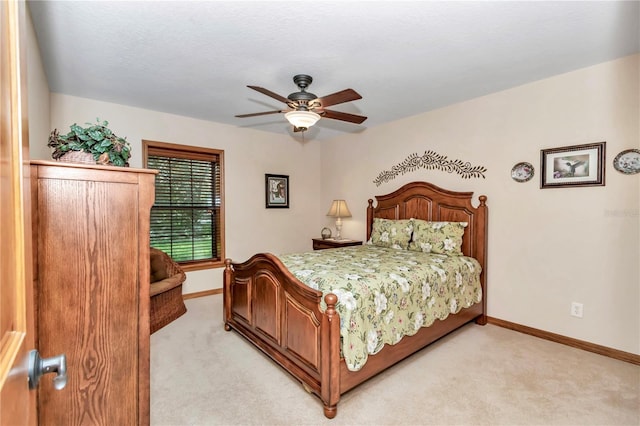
305,108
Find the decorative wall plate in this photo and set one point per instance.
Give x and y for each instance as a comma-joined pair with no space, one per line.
522,172
628,161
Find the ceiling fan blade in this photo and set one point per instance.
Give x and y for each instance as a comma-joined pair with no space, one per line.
270,93
345,95
258,113
344,116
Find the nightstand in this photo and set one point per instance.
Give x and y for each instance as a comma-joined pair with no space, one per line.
320,244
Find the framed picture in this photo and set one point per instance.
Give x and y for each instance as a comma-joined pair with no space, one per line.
577,165
276,191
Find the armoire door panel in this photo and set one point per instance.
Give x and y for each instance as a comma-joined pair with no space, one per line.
92,283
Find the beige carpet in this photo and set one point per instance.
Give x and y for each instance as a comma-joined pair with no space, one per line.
203,375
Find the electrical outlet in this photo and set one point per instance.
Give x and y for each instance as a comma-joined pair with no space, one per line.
576,309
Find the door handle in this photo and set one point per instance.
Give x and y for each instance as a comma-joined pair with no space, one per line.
39,366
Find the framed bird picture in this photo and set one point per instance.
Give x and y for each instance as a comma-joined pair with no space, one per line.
577,165
276,191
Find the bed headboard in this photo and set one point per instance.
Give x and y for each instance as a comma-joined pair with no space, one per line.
423,200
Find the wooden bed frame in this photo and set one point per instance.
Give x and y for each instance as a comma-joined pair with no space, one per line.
281,316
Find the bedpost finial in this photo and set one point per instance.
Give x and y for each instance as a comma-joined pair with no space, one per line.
331,300
227,263
370,202
483,200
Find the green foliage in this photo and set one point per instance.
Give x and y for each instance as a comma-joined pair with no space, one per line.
96,139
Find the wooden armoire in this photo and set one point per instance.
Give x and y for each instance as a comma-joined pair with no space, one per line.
91,290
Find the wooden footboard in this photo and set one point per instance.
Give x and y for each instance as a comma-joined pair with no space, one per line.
280,315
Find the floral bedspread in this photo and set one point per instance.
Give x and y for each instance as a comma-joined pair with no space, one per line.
385,294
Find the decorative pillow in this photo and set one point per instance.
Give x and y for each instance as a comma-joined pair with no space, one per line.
437,237
391,233
158,268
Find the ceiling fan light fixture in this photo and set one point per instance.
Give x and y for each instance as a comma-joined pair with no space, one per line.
302,119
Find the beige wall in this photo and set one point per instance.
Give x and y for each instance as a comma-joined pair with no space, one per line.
547,247
248,155
37,95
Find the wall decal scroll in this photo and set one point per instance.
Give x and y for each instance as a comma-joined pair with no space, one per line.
431,160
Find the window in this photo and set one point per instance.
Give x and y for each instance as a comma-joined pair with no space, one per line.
187,218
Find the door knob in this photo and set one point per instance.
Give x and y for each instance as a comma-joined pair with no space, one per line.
39,366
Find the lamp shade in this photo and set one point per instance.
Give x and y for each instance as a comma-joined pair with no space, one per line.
339,209
302,119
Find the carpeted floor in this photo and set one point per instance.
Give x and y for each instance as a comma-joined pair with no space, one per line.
203,375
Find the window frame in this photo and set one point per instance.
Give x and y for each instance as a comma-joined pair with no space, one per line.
195,153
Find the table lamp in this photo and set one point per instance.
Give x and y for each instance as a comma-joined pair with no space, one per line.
339,210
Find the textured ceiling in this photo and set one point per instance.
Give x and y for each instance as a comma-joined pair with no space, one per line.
195,58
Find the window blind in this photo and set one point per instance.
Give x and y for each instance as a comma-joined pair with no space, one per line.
186,219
